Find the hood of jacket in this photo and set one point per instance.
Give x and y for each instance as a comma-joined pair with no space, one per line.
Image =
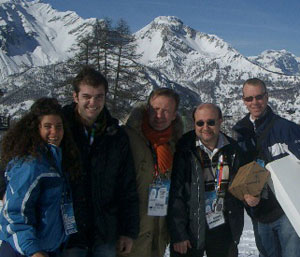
135,119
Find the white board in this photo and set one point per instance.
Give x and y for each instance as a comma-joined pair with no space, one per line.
284,182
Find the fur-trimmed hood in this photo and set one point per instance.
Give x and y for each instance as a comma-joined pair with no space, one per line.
135,118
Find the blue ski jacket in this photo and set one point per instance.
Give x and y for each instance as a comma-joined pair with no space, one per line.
31,218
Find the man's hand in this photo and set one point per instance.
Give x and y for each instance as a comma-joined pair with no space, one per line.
125,244
182,247
40,254
251,200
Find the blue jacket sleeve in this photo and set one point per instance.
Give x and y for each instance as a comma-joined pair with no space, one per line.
292,139
284,136
19,217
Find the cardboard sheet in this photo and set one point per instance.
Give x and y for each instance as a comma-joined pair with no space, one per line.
284,181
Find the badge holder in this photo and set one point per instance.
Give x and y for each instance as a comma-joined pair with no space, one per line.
67,212
214,209
158,197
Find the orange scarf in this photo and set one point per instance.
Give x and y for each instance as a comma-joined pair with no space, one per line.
160,143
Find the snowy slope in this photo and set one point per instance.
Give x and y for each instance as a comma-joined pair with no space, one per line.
188,56
280,61
202,67
34,34
210,67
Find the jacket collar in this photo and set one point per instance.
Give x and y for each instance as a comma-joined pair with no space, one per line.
70,115
245,126
135,119
222,142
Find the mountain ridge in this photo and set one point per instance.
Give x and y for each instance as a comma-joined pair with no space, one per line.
202,66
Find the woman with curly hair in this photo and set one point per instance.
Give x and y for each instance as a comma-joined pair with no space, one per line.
40,157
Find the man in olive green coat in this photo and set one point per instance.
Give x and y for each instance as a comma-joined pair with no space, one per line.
154,129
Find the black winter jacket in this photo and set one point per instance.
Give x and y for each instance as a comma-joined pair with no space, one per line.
105,197
186,212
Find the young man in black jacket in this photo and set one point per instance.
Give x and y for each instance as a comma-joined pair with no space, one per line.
105,197
202,214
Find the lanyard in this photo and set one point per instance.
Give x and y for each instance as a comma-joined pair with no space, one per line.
219,170
219,173
156,173
91,135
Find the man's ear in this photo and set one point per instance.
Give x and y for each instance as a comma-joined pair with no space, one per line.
75,97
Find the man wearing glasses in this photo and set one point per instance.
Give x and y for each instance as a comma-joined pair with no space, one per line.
203,216
265,136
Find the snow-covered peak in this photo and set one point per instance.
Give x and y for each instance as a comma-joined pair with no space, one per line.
168,20
183,53
166,32
34,34
280,61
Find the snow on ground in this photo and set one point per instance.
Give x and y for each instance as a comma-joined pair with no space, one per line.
247,247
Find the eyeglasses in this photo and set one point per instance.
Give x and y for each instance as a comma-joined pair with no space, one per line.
211,123
257,97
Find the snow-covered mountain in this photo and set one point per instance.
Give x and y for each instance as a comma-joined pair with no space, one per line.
32,33
202,67
188,56
280,61
210,67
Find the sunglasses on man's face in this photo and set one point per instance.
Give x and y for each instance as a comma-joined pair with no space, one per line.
211,123
257,97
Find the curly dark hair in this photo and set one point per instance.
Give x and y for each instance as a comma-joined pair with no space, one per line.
23,139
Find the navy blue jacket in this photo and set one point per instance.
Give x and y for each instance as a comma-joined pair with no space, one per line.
282,135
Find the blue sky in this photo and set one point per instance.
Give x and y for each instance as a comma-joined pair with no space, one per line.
250,26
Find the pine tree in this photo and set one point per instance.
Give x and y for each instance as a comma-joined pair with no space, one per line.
112,51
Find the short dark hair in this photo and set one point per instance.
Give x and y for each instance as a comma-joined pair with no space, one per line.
255,82
164,91
90,77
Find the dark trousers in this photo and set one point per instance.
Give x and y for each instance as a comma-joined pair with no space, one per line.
218,243
7,251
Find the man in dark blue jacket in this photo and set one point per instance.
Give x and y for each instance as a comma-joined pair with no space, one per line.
266,136
105,198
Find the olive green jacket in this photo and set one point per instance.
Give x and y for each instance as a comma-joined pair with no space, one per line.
153,237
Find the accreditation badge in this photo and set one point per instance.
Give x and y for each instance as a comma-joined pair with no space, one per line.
158,198
214,209
68,218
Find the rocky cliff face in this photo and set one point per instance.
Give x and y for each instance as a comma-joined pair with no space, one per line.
202,67
34,34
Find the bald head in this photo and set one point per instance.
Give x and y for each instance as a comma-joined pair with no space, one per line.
211,107
208,119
